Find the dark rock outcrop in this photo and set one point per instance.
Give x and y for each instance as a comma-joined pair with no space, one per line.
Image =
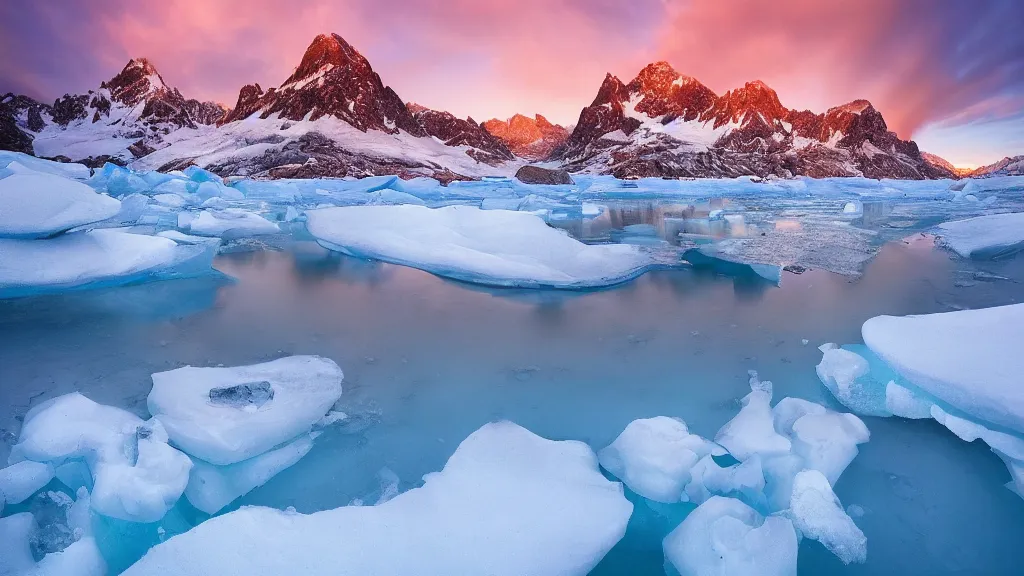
457,132
538,175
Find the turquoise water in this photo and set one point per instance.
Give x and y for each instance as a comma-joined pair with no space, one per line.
427,361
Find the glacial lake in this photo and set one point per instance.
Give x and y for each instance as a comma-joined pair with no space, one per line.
427,361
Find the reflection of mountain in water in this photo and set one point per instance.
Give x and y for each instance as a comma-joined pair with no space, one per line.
627,221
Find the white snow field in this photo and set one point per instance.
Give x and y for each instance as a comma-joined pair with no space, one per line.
508,502
989,236
495,247
95,257
227,415
35,205
135,474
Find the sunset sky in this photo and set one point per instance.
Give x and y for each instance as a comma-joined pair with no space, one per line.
948,73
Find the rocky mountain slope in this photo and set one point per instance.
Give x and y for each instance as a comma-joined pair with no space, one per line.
1009,166
666,124
532,138
127,117
334,116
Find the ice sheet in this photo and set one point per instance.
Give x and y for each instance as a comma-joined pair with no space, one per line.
988,236
507,503
495,247
34,205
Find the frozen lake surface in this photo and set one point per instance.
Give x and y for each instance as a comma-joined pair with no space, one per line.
427,361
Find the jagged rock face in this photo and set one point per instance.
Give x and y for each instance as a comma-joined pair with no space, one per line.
746,131
533,138
135,82
457,132
333,79
12,137
248,104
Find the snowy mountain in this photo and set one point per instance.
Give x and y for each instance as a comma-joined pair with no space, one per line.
533,138
1010,166
335,117
943,164
666,124
127,117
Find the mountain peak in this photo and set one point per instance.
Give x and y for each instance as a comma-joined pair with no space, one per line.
855,107
137,80
326,50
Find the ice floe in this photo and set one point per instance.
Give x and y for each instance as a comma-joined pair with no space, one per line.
96,257
134,474
495,247
988,236
23,479
653,457
969,359
507,502
225,415
725,537
959,368
34,205
819,515
234,221
752,431
59,534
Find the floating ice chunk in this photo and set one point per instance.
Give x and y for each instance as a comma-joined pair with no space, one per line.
1001,442
136,475
40,205
856,377
507,503
494,247
209,190
828,441
752,430
744,481
221,433
725,537
82,558
291,214
96,257
171,200
197,174
653,456
389,196
15,550
779,471
819,515
855,207
187,238
211,488
906,404
984,236
236,220
23,479
64,169
969,359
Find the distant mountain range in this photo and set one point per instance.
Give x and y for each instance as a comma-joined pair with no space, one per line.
335,117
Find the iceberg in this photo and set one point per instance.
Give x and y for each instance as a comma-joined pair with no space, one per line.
493,247
237,221
34,164
744,481
23,479
508,502
97,257
984,237
969,359
216,415
653,457
819,515
41,205
74,553
725,537
135,474
825,440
